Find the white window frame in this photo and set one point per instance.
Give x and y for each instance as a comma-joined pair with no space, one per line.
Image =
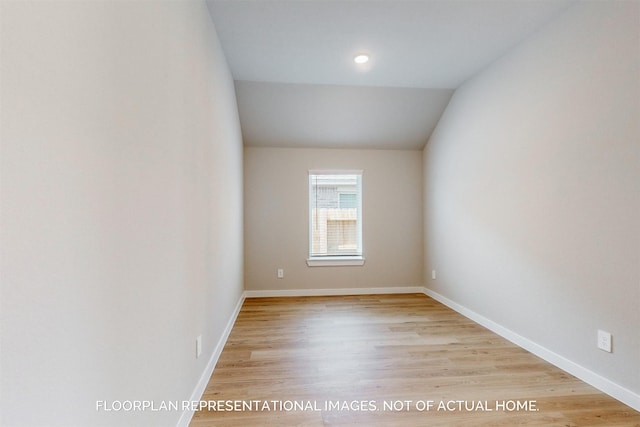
336,260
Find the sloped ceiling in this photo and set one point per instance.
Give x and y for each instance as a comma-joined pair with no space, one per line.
297,84
306,115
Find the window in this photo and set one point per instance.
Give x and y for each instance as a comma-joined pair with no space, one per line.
335,218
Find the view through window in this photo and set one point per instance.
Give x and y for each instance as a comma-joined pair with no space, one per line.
335,214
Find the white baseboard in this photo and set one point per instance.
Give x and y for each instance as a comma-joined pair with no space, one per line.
186,416
614,390
327,292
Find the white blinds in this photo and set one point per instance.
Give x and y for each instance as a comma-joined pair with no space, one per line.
335,214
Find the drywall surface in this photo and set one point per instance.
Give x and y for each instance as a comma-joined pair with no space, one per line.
277,218
532,190
325,116
121,220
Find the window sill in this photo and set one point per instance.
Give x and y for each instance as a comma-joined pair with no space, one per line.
328,261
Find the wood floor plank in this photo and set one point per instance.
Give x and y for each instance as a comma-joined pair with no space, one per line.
369,351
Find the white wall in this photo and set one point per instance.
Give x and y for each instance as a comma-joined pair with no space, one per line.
121,219
532,191
277,217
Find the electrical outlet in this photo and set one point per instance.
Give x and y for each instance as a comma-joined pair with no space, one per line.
280,273
198,346
604,341
433,275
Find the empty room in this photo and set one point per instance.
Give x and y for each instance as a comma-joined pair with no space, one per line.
319,213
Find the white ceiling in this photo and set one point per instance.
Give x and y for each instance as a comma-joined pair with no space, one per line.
302,115
428,44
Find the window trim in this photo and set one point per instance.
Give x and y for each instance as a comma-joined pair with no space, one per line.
335,260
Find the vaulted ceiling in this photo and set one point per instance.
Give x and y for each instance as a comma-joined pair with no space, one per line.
298,86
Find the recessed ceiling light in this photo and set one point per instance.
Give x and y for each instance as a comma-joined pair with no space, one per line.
361,58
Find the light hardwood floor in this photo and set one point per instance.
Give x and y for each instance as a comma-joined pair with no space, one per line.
389,348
